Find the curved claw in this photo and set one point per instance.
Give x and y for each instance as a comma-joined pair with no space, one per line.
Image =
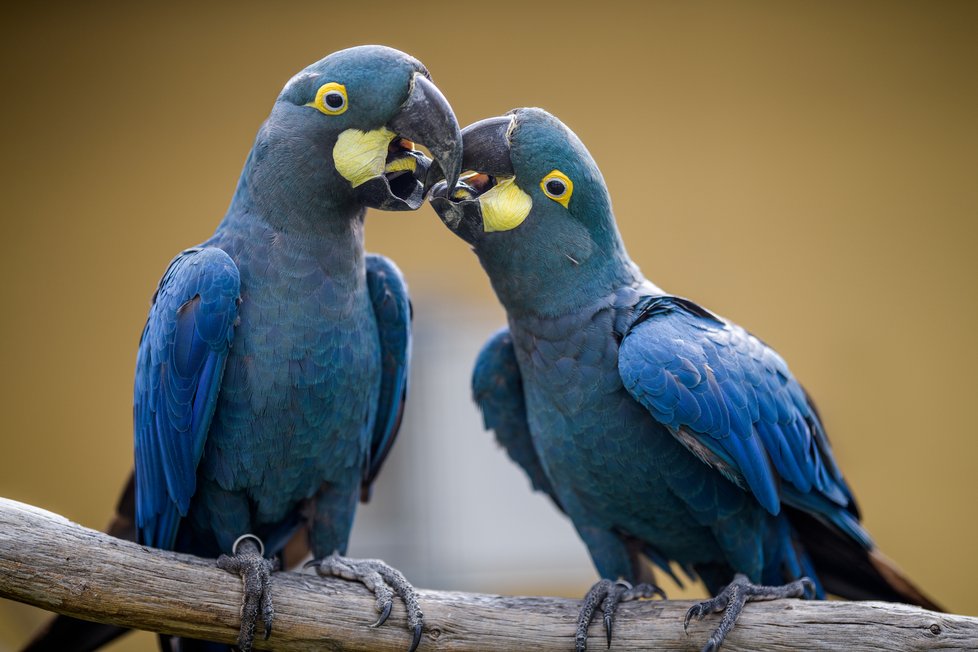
692,611
268,615
608,624
809,587
385,615
416,641
730,602
311,563
385,583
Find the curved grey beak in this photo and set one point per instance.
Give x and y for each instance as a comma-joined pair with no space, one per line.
428,119
486,147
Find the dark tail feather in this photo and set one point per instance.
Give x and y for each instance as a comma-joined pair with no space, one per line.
177,644
900,583
64,633
849,570
67,634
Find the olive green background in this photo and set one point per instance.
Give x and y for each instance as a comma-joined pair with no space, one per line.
809,170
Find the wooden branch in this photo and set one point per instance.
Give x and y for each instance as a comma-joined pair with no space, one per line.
52,563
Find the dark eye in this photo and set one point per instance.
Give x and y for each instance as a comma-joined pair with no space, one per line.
334,100
330,99
556,188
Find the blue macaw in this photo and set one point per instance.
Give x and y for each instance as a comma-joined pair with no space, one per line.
661,429
272,370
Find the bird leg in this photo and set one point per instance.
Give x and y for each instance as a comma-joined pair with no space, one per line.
609,594
731,601
383,580
248,562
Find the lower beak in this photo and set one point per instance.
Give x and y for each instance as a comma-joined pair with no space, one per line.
460,205
462,216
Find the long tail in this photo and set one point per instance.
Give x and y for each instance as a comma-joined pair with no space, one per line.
67,634
849,570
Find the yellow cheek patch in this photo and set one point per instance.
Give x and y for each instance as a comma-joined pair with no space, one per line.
504,206
408,163
361,155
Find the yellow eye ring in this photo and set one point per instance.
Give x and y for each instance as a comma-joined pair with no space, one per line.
558,187
331,99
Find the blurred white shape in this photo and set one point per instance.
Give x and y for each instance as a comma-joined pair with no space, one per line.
450,509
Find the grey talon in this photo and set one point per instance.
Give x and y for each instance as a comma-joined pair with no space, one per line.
609,595
416,641
385,615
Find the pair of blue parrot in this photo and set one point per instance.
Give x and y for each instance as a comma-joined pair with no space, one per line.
272,371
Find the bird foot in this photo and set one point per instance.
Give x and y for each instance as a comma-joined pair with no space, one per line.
609,594
248,562
731,600
383,580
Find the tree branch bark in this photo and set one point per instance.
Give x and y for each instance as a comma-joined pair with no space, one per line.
52,563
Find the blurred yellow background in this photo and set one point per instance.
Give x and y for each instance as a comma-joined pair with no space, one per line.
809,170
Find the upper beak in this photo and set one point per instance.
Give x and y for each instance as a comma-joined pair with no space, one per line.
486,147
486,150
428,119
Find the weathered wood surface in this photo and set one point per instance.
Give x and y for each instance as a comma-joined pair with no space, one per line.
52,563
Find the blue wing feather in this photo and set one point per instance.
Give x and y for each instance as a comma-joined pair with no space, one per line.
392,309
497,387
731,400
179,367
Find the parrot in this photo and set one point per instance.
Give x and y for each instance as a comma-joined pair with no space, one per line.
667,434
272,371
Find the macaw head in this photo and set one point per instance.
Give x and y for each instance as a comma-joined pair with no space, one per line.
534,206
342,133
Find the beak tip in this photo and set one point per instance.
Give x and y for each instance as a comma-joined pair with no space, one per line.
436,173
432,177
452,180
427,118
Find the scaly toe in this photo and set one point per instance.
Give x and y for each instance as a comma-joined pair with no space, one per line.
256,574
595,596
384,581
731,601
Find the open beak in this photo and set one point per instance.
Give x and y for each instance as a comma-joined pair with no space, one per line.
425,118
485,198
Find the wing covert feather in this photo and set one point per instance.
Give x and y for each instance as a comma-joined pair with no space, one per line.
392,309
732,401
182,353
